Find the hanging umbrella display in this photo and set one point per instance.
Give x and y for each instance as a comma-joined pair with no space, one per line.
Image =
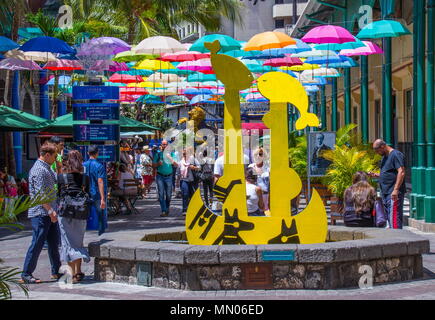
289,72
315,53
103,46
159,45
164,91
321,72
383,29
305,66
201,65
287,61
197,91
269,40
368,49
267,54
145,84
328,34
324,60
243,53
16,64
108,65
340,46
299,47
201,77
133,91
163,78
227,43
66,65
31,55
125,78
178,72
179,99
311,89
47,44
201,99
63,81
149,98
182,56
345,63
7,44
136,72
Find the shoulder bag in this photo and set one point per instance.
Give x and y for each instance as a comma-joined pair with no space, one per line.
74,203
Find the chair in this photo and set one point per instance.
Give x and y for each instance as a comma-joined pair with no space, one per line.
132,198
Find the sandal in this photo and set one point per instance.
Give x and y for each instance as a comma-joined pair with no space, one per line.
80,276
56,276
30,280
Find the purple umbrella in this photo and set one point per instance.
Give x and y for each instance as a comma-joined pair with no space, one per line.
328,34
104,46
107,65
17,64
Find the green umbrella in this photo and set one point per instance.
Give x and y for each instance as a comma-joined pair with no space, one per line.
15,120
129,56
63,124
227,43
383,29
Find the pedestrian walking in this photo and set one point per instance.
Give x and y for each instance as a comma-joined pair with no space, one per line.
97,175
164,165
186,167
359,202
60,146
147,171
42,180
391,182
73,184
207,179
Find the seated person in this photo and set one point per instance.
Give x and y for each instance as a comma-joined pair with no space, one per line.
254,195
124,192
359,201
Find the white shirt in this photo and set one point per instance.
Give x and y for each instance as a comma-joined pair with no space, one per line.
219,165
252,198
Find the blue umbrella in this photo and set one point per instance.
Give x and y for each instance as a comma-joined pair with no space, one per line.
299,47
289,72
242,53
383,29
1,56
266,54
47,44
63,81
201,99
196,91
7,44
323,60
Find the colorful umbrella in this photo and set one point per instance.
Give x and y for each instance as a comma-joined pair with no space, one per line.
7,44
66,65
197,91
340,46
145,84
62,81
135,72
227,43
269,40
17,64
153,65
315,53
149,98
299,47
328,34
131,55
47,44
133,91
368,49
383,29
125,78
159,45
287,61
103,46
324,59
321,72
201,77
305,66
243,53
182,56
163,78
200,65
31,55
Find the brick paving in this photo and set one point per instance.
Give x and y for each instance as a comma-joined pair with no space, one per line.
13,247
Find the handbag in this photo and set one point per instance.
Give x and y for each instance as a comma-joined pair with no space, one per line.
380,216
206,173
74,203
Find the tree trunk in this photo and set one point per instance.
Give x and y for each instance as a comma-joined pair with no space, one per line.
6,93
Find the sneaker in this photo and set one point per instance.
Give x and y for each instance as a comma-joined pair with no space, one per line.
164,214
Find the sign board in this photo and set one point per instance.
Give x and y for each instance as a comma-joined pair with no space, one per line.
95,93
95,111
319,142
106,153
96,132
259,108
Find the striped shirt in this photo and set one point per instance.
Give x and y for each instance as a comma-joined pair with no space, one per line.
41,179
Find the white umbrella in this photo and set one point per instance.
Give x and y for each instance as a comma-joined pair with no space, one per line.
321,72
316,53
159,45
31,55
163,91
163,78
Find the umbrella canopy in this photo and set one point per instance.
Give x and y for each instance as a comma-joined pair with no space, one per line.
287,61
145,84
31,55
368,49
321,72
133,91
153,65
305,66
179,99
340,46
243,53
47,44
64,124
66,65
182,56
201,77
125,78
383,29
62,81
315,53
17,64
159,45
136,72
108,65
299,47
197,91
103,46
198,65
200,99
131,55
227,43
149,98
164,91
178,72
328,34
324,59
7,44
163,78
269,40
15,120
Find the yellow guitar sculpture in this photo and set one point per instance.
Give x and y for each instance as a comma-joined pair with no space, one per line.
234,226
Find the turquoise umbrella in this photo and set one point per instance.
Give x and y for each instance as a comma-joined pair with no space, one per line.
383,29
137,72
227,43
201,77
178,72
242,53
340,46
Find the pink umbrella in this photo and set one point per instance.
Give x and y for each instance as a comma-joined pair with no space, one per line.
281,62
182,56
202,65
17,64
62,64
107,65
328,34
125,78
369,49
133,91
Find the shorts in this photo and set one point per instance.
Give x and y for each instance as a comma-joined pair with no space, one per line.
147,180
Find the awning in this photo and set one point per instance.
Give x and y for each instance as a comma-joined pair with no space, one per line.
15,120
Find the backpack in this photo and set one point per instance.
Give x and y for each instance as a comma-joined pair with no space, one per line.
74,203
379,214
206,172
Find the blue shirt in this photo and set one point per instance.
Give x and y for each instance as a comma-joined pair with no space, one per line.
42,179
95,170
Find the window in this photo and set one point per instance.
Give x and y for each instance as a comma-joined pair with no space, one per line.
279,23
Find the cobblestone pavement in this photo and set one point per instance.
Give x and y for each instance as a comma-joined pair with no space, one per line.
13,247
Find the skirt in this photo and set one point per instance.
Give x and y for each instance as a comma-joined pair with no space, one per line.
72,232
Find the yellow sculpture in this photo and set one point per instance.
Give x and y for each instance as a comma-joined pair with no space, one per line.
234,226
197,115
